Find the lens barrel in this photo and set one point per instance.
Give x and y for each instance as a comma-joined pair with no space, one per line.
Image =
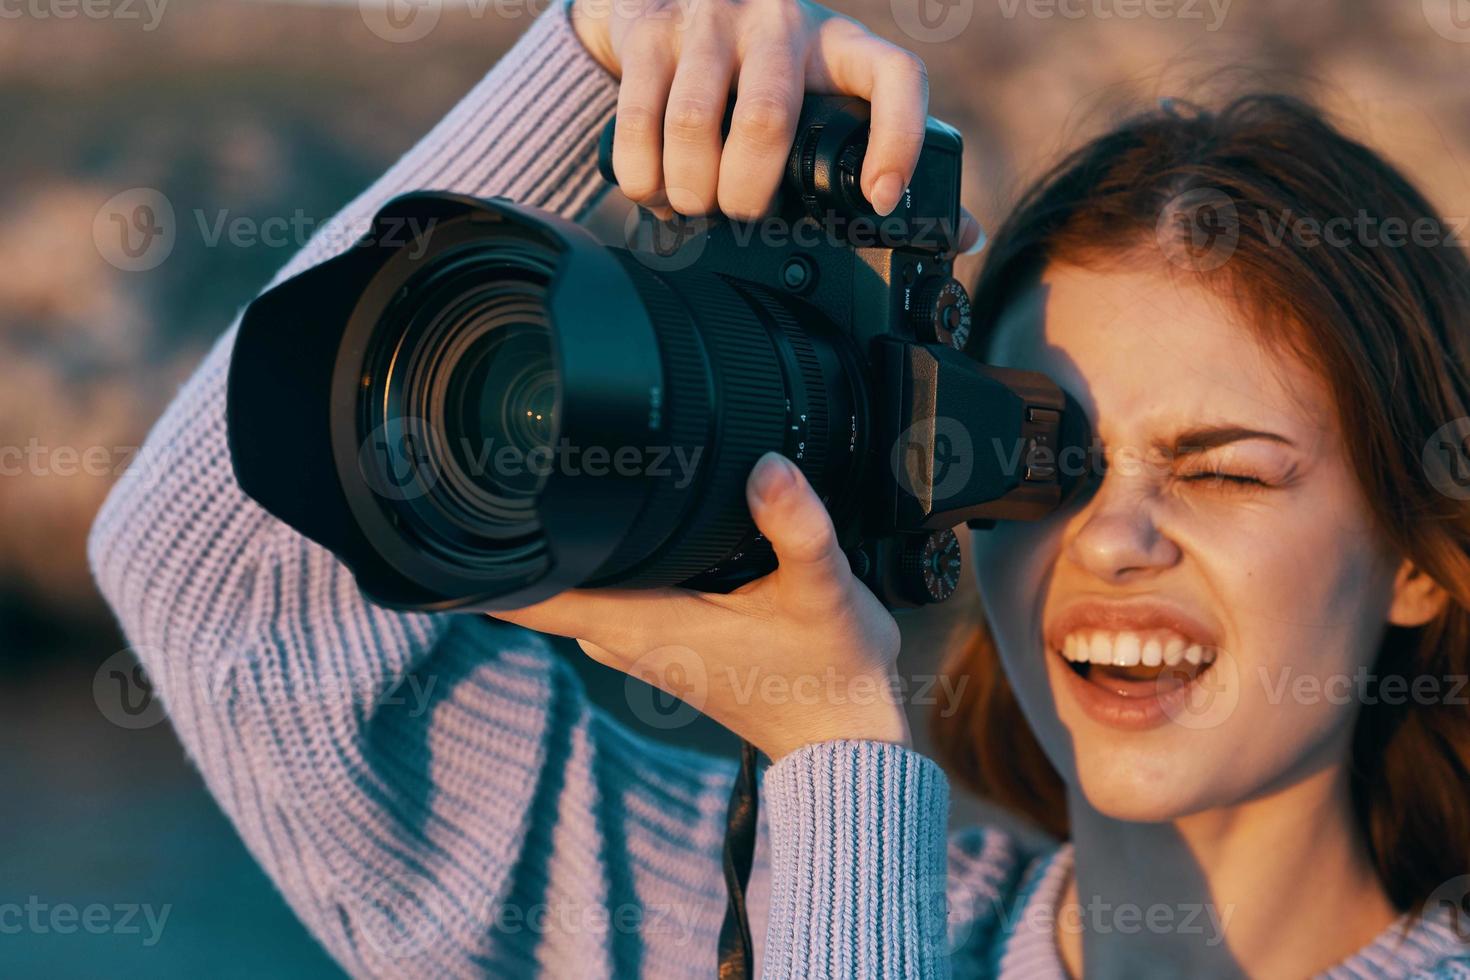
743,378
519,410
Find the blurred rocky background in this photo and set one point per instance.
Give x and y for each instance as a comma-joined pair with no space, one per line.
268,116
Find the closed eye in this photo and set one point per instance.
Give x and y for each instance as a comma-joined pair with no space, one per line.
1217,476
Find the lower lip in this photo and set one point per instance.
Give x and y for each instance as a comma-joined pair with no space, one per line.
1128,713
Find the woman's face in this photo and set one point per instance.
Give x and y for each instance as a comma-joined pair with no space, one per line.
1270,568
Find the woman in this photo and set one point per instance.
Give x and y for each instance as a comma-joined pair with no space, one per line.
434,795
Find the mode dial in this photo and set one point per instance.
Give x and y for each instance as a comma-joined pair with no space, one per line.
929,567
940,312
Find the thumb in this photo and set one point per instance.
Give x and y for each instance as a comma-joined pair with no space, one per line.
789,514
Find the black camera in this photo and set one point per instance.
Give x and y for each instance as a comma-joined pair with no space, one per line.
478,405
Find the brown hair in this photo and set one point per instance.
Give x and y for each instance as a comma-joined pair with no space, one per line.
1385,324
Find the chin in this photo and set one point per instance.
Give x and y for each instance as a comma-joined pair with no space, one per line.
1149,787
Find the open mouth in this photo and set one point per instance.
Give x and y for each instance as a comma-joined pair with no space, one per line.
1134,664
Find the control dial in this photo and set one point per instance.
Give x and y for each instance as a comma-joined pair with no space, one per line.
941,312
929,567
849,177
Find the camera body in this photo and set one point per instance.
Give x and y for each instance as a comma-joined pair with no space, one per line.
386,403
887,282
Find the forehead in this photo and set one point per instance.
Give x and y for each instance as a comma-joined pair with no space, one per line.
1143,351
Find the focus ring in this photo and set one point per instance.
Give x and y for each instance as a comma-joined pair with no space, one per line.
750,400
808,448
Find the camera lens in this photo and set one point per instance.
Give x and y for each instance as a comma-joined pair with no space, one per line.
460,375
564,433
501,405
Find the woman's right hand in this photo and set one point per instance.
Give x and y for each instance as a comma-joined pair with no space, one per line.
805,654
678,61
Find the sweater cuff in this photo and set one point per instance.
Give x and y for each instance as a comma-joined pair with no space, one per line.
858,859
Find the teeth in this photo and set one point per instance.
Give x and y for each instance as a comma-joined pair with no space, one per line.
1130,649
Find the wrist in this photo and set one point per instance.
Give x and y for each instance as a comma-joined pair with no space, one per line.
883,721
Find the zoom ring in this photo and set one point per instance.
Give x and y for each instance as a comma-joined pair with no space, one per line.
725,369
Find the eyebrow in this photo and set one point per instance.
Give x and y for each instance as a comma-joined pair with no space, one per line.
1204,438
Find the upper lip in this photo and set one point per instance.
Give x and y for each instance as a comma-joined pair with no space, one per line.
1133,614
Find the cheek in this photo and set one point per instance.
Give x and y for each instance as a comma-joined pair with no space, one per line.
1302,588
1304,597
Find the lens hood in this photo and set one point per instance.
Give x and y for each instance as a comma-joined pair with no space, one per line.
306,447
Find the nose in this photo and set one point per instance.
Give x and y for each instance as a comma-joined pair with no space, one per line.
1119,538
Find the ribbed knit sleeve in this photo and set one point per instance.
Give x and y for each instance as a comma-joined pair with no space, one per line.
434,795
858,858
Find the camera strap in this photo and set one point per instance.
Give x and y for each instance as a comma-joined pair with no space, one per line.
736,957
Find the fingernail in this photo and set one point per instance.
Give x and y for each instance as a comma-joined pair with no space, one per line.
981,241
887,189
774,475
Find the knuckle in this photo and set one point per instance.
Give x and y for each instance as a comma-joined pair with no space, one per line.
690,202
637,184
904,64
692,118
741,206
636,122
813,542
765,120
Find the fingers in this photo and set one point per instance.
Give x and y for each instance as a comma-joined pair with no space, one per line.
896,83
786,509
762,127
642,99
696,110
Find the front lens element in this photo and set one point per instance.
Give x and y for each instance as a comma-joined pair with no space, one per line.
501,410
